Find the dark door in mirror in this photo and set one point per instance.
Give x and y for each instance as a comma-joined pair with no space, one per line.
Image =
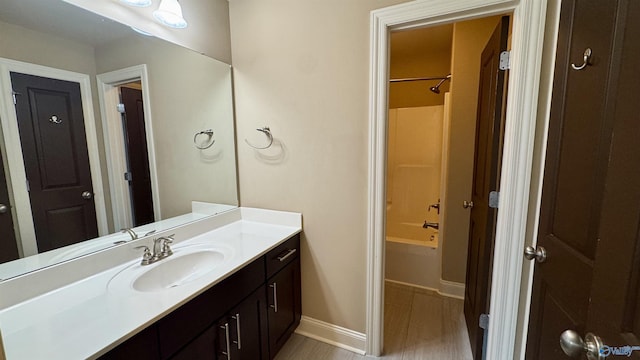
8,245
56,160
137,156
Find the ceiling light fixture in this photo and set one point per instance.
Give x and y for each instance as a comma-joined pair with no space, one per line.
138,3
169,13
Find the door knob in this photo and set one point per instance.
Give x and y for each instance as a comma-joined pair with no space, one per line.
3,208
573,345
87,195
467,204
539,253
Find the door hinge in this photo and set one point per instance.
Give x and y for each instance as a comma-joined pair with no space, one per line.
505,58
28,187
128,176
494,199
13,94
484,321
120,108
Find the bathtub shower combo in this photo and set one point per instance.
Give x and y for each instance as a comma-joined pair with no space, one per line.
414,172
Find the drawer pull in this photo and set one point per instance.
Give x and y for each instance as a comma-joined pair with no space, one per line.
236,317
226,338
274,286
285,256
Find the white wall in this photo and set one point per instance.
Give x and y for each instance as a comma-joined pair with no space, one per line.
188,93
302,67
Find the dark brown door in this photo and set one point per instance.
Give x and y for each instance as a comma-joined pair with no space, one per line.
137,157
54,147
590,213
486,170
8,244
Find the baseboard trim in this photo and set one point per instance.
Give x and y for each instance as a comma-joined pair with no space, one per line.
447,288
332,334
451,289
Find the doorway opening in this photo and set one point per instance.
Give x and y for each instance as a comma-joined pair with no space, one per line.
516,163
440,132
129,146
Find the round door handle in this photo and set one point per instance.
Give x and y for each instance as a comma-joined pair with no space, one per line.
467,204
3,208
573,345
87,195
539,253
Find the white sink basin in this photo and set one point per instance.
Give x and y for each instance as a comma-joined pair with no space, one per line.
184,266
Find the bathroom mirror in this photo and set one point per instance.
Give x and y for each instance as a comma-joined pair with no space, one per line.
184,140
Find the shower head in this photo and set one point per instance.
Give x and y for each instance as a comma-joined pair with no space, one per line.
436,89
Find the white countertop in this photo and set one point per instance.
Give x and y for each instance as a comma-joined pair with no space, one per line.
87,318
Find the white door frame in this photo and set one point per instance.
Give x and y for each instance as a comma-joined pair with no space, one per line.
15,160
524,81
114,141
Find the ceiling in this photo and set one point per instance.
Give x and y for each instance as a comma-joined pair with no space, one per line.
421,42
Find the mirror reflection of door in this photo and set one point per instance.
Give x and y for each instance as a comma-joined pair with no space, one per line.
56,160
8,244
137,157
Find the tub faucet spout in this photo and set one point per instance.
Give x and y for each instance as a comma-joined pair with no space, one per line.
430,225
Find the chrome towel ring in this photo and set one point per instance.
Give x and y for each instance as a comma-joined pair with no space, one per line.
265,130
210,141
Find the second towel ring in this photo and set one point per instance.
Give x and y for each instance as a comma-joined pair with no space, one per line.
265,130
209,143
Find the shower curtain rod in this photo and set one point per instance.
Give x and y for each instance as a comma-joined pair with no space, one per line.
420,78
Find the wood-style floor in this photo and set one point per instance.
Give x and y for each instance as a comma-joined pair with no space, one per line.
418,324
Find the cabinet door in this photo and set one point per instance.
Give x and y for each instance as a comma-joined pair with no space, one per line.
283,291
201,348
143,346
249,328
239,335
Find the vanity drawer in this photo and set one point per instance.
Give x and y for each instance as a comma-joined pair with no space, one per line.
283,255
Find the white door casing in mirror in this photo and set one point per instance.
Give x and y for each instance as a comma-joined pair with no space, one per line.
114,141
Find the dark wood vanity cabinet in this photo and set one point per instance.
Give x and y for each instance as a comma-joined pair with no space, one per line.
241,333
283,293
249,315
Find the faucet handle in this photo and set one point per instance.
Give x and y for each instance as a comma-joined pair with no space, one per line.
166,249
146,255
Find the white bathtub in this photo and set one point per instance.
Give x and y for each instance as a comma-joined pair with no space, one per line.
414,262
412,233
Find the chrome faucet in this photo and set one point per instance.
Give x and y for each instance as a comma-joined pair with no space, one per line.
161,250
430,225
161,247
132,233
